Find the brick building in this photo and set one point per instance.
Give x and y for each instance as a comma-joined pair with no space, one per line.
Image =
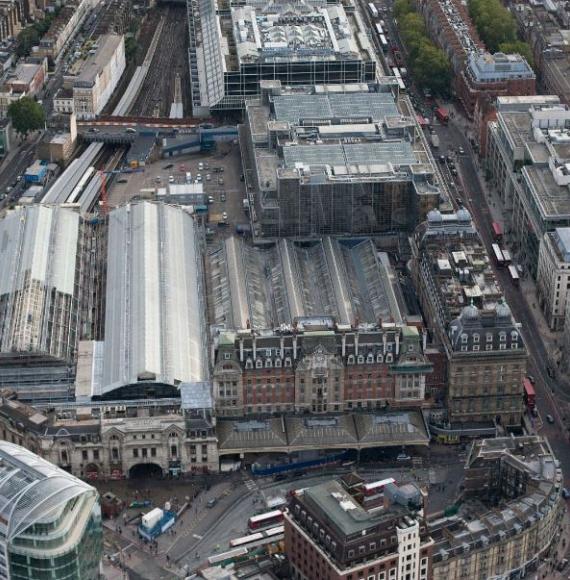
286,344
333,533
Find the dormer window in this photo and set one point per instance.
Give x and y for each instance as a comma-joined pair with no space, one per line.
258,364
489,337
287,361
370,358
379,358
360,359
350,359
248,364
503,336
464,338
475,337
389,357
278,363
268,363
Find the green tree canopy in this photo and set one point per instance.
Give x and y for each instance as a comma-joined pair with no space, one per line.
494,23
432,69
27,115
518,47
402,7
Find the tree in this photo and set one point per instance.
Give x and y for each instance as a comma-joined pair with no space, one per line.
518,47
402,7
432,69
27,115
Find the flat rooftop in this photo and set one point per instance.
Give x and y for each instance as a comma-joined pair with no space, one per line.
95,63
552,200
304,31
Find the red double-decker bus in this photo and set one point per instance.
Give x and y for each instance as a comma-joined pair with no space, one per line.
497,231
529,394
266,520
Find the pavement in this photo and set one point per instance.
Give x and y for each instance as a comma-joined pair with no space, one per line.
202,531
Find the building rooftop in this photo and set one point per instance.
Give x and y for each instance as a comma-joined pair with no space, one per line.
561,239
488,68
344,513
515,502
38,257
295,433
154,321
284,31
32,490
343,279
458,262
94,64
24,73
337,133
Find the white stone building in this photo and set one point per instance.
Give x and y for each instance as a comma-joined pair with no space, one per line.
553,279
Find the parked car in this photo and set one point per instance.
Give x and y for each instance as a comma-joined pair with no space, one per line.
222,197
565,493
550,418
210,199
123,180
531,379
461,151
225,216
168,166
130,130
211,503
403,457
171,179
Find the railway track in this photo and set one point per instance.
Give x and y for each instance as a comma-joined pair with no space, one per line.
157,91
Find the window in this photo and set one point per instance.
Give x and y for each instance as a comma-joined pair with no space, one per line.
489,337
115,454
144,452
227,356
503,336
475,337
153,451
84,455
464,338
351,553
135,453
96,454
287,361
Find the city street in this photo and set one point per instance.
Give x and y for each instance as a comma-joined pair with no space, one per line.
473,194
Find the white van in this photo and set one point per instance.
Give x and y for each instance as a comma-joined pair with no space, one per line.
188,177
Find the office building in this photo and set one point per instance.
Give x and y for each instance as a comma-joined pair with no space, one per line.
98,76
323,333
333,531
155,337
466,312
310,42
41,268
511,513
51,521
553,278
335,160
528,161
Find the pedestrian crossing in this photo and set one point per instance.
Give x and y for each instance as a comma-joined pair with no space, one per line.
250,484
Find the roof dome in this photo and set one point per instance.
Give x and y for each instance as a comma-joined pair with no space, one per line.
503,310
463,215
470,312
434,215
